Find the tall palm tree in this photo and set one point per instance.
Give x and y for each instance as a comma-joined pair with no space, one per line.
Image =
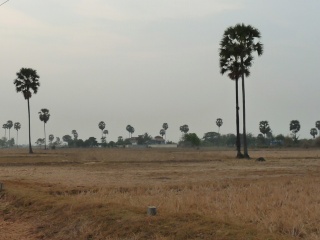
4,126
313,132
165,126
238,45
101,126
44,116
105,132
17,127
219,123
75,135
27,80
9,126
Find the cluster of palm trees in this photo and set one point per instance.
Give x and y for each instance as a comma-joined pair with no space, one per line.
130,129
8,125
104,132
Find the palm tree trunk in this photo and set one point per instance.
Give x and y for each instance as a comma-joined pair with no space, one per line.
239,154
17,138
245,146
45,137
30,148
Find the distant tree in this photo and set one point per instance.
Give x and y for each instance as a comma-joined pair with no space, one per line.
313,132
57,142
264,127
294,128
318,125
4,126
143,139
162,132
27,80
120,141
9,126
51,138
236,49
261,140
17,127
40,141
211,137
10,142
165,126
75,135
111,144
130,129
219,123
91,142
44,116
280,137
101,126
67,139
192,138
184,128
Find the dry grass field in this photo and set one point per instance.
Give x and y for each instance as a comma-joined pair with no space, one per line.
199,194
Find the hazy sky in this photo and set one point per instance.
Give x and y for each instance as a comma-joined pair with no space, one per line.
146,62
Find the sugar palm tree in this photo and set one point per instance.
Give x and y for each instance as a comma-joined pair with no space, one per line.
184,128
9,126
101,126
294,128
44,116
17,127
264,127
237,46
130,129
75,135
313,132
27,80
219,123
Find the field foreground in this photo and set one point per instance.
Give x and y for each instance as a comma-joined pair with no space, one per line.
199,194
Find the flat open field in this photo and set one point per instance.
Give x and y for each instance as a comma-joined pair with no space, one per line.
199,194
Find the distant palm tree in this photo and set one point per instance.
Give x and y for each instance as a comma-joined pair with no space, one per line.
130,129
4,126
102,126
44,116
313,132
184,128
165,126
264,127
294,128
75,135
219,123
17,127
162,132
51,138
27,80
237,46
9,126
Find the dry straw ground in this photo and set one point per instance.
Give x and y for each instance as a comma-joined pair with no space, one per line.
199,194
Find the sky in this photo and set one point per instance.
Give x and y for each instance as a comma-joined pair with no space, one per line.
147,62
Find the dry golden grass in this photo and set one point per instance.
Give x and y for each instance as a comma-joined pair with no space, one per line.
199,194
